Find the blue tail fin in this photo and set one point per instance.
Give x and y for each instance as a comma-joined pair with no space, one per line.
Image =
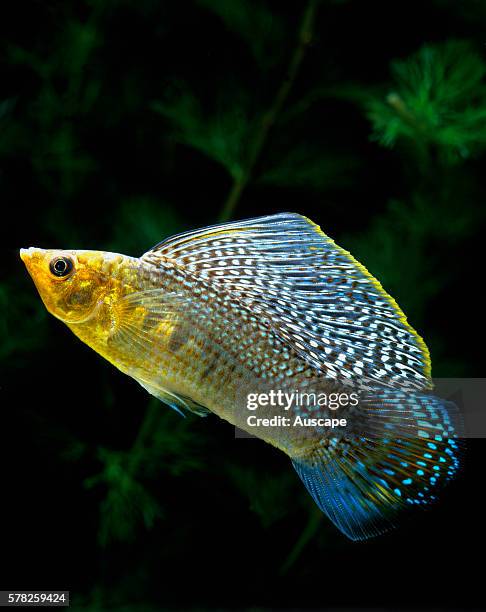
364,482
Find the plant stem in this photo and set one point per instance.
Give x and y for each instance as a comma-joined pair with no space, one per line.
268,120
309,530
147,427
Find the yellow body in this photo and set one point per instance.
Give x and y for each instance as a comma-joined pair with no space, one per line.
173,355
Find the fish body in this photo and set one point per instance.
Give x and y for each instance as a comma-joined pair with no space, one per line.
206,317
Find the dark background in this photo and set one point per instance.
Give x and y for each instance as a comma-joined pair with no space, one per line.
124,122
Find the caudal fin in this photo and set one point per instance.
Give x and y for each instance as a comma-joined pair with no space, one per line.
363,483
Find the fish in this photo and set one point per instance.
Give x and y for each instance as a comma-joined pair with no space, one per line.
269,304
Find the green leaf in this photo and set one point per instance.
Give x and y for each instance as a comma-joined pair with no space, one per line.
175,444
398,248
221,136
140,223
438,98
165,443
269,495
261,29
127,502
306,166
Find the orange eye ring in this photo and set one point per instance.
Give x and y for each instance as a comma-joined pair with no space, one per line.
61,266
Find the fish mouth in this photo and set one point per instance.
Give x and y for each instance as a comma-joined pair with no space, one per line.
33,259
27,254
24,254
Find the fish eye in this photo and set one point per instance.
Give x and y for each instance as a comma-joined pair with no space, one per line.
61,266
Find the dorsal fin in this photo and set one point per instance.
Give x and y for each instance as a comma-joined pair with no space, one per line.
322,301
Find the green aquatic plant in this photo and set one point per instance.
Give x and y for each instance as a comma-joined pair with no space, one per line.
259,27
310,168
438,99
237,137
49,131
221,136
152,219
126,502
164,443
268,495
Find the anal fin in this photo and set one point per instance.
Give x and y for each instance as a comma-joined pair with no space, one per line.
177,402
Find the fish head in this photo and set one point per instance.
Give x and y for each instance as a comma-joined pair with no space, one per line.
72,284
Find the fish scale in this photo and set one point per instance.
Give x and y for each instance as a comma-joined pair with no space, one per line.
251,346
